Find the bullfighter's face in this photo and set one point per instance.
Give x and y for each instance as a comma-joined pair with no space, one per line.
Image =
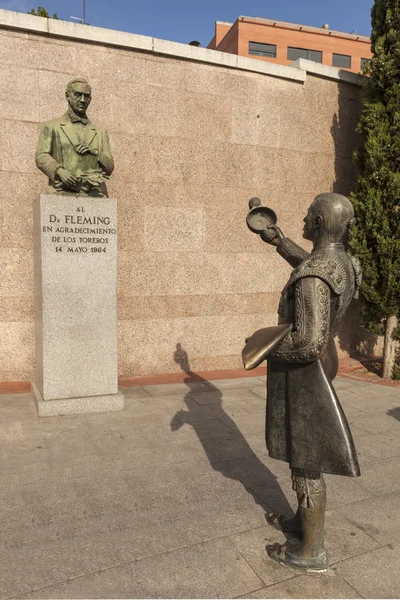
309,225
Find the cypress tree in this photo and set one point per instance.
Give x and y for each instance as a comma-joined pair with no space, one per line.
376,199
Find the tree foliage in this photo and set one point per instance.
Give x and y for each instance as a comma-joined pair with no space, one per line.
42,12
376,199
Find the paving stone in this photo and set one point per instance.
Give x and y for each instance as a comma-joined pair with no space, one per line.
251,545
345,394
20,574
115,434
352,413
153,513
382,475
212,430
125,444
250,470
184,409
25,568
276,496
240,382
222,442
179,442
139,411
135,391
14,436
151,506
378,446
209,505
74,439
169,402
344,490
251,403
343,382
209,397
260,390
89,493
343,539
16,407
133,406
380,423
359,386
36,432
373,399
378,516
209,570
252,473
206,412
249,426
374,574
34,514
24,466
73,451
228,395
313,585
177,388
31,567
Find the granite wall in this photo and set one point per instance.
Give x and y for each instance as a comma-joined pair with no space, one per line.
192,143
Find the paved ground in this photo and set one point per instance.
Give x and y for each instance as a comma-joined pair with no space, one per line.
167,499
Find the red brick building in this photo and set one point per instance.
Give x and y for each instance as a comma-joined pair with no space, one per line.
282,43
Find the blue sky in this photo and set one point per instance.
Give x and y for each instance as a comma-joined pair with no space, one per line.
186,20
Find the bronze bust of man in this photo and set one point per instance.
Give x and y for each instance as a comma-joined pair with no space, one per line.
75,155
305,423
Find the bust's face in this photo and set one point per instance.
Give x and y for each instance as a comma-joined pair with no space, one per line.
79,97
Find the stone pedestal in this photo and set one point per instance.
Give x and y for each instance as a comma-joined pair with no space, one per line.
76,305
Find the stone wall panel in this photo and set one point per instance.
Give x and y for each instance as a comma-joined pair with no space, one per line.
19,95
192,143
17,351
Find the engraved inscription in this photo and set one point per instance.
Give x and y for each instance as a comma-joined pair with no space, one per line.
79,233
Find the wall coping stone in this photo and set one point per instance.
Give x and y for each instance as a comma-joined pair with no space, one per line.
296,71
327,71
65,29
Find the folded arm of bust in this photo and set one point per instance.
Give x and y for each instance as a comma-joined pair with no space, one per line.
44,159
104,157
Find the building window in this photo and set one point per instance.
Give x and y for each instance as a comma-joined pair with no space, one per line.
341,60
258,49
295,53
365,62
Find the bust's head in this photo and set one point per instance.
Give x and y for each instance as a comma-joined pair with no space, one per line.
330,216
78,95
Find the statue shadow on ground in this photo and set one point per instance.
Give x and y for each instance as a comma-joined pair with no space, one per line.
214,430
353,339
394,412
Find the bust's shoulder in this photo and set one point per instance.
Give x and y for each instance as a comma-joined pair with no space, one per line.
326,266
99,130
56,122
